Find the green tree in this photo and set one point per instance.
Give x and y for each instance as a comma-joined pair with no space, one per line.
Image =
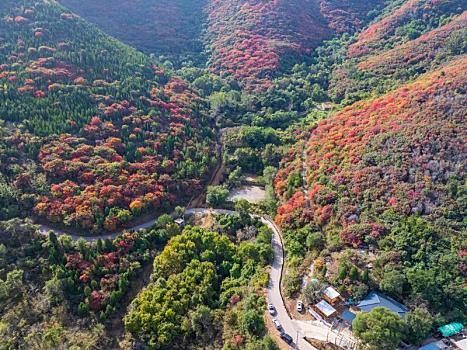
359,291
419,324
217,196
234,176
267,343
12,284
393,282
243,207
313,291
203,323
83,309
269,173
52,335
315,240
179,211
342,271
353,274
365,276
292,282
379,329
252,323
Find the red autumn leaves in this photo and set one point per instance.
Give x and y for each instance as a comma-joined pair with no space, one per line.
397,151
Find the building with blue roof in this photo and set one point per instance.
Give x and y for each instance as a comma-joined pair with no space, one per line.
376,299
437,345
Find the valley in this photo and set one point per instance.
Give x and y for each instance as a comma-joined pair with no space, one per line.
233,174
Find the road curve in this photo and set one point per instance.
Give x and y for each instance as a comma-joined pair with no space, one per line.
274,290
44,229
274,287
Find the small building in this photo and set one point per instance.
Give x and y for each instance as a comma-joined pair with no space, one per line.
451,329
375,299
325,309
180,222
331,295
437,345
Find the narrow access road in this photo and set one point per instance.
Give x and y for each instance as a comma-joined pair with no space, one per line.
44,229
274,290
290,326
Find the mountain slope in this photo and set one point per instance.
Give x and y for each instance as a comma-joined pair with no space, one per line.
346,16
119,136
442,41
404,42
407,22
248,40
251,40
163,27
383,168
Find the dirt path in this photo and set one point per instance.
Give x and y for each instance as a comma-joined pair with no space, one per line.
215,179
114,324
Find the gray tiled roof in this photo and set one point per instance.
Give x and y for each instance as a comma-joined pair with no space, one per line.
375,299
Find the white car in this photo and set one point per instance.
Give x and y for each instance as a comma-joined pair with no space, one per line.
276,323
271,309
300,306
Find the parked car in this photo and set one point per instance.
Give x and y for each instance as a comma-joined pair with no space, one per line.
300,306
271,309
287,338
276,323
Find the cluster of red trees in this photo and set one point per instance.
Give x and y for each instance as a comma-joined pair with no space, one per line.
104,274
120,136
373,36
420,50
42,72
397,151
347,16
115,171
249,38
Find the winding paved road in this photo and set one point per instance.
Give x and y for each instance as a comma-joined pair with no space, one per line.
296,329
44,229
274,290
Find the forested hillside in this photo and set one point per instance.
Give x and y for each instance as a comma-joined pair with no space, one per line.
251,40
419,53
403,42
164,27
114,115
403,23
387,173
108,119
390,172
60,292
206,290
244,40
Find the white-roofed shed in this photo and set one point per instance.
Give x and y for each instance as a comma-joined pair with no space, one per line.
331,295
325,308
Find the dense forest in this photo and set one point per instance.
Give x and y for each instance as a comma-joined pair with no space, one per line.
60,291
171,28
390,178
119,136
351,115
206,289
